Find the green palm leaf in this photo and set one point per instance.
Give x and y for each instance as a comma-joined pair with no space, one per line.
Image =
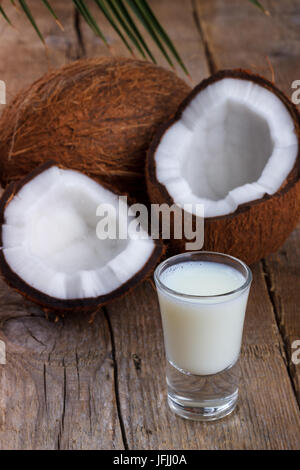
27,12
147,12
259,5
86,14
47,5
113,6
135,29
144,18
2,12
105,11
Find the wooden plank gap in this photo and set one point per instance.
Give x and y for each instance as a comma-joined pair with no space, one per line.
207,49
116,378
281,330
78,32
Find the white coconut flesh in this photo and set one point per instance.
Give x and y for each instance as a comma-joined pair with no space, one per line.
234,143
50,240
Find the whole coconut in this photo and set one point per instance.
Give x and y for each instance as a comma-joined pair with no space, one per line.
97,116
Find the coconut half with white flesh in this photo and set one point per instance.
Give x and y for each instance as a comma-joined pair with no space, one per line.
232,146
51,250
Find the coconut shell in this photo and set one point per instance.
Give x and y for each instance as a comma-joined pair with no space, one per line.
255,229
47,302
97,116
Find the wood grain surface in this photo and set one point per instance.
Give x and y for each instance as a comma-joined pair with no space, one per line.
75,385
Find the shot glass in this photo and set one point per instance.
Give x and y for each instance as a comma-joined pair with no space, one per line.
203,298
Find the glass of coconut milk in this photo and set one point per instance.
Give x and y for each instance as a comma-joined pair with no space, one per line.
203,298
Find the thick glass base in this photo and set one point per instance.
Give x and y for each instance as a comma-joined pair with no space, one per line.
202,398
203,411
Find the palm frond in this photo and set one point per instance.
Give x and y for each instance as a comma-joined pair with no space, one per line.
260,6
101,4
49,7
2,12
86,14
27,12
162,33
149,27
135,29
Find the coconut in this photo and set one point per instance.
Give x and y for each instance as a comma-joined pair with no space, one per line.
97,116
233,146
51,251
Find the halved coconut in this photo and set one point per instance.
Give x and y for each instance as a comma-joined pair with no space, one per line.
51,252
232,146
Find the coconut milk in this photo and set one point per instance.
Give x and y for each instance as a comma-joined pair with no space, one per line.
202,334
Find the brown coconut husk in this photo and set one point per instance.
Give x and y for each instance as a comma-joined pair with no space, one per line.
255,229
97,116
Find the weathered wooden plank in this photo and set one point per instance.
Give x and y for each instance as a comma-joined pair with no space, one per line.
239,35
57,389
230,29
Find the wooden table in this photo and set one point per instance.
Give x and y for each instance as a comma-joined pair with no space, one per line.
75,385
